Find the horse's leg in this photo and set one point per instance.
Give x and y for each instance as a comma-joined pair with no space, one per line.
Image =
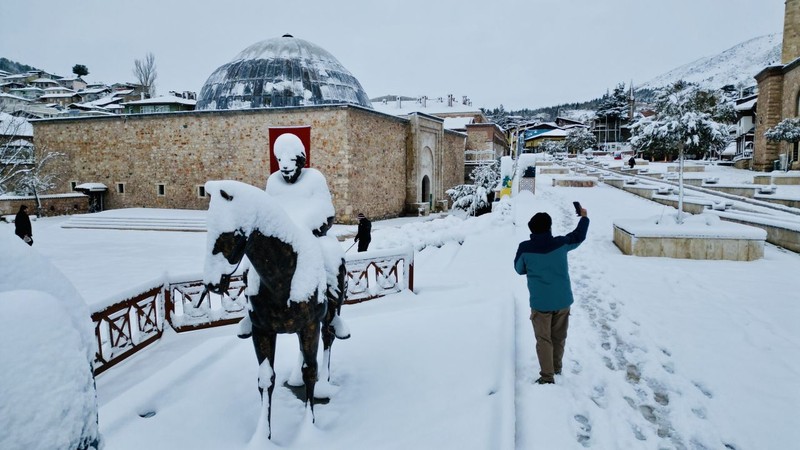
264,343
336,298
309,345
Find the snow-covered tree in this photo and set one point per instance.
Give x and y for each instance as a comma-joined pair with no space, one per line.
41,176
551,147
579,139
684,123
614,106
474,198
787,130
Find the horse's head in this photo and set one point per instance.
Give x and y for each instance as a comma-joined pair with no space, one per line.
232,246
227,248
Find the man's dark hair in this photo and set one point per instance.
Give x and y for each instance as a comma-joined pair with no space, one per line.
540,223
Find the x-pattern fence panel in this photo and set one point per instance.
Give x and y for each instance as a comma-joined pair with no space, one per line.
126,327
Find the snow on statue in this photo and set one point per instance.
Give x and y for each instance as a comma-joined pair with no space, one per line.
47,393
287,284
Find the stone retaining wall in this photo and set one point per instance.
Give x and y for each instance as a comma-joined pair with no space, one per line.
52,205
689,248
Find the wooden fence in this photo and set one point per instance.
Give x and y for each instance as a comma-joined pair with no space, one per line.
130,325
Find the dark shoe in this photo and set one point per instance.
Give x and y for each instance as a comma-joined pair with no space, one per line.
544,381
558,372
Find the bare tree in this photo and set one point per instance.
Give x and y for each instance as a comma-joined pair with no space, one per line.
145,72
41,176
16,152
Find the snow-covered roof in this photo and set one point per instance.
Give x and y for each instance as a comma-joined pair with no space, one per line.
432,106
66,95
457,123
58,88
279,72
14,97
746,106
18,143
15,126
730,149
164,99
93,187
96,90
45,80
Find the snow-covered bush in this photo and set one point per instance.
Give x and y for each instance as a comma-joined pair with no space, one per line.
579,139
476,198
787,130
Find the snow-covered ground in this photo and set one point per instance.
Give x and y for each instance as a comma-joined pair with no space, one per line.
661,353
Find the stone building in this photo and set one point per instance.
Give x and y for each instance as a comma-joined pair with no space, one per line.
779,96
375,163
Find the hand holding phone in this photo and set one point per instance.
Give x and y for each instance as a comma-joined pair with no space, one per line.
578,208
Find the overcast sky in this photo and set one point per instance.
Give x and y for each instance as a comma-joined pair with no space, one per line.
526,53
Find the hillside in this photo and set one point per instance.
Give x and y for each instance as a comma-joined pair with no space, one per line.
13,66
736,66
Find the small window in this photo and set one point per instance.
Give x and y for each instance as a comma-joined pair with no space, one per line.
201,191
73,185
162,190
120,188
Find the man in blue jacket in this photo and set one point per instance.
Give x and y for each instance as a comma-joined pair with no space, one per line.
543,259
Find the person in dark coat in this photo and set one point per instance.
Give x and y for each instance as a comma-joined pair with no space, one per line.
543,259
22,225
632,162
364,235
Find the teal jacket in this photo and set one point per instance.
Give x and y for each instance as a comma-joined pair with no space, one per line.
543,259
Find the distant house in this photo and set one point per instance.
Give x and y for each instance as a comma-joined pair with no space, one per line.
76,84
95,93
9,103
167,103
744,137
536,135
16,137
62,100
29,92
567,123
45,83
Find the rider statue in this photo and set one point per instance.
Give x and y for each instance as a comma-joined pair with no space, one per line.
304,193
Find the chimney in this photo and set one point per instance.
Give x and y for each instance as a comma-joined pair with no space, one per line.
450,100
424,101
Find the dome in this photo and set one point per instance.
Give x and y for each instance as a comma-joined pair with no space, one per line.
283,71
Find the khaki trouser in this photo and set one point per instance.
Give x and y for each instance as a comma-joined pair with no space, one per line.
550,329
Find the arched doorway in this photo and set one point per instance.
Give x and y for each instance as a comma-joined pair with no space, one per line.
426,190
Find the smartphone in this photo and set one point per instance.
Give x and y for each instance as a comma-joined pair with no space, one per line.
578,208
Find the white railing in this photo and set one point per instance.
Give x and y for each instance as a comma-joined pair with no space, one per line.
132,324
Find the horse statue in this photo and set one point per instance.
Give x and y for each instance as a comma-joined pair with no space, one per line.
289,287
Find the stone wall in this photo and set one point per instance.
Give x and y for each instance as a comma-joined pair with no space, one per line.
52,205
770,105
371,176
791,32
362,153
452,163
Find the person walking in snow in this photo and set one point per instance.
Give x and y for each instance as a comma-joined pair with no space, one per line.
632,162
22,225
543,259
364,234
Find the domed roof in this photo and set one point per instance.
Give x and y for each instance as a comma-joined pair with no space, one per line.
283,71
